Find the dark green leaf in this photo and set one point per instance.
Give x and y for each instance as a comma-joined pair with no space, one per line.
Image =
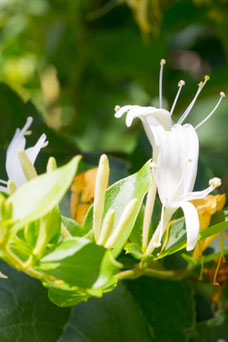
213,330
26,312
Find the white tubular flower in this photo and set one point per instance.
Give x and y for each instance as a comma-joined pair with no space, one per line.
175,176
13,166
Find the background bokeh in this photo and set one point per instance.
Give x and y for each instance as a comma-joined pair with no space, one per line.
68,63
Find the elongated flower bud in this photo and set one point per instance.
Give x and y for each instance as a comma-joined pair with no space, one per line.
100,187
51,165
122,224
27,166
106,227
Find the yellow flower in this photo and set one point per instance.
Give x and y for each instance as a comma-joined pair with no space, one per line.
82,197
207,207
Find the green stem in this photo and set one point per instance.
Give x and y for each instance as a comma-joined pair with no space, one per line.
154,273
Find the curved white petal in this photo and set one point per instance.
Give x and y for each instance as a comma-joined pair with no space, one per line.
13,166
124,109
177,161
32,152
154,115
192,224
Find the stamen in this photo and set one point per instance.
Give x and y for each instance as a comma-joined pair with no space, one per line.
222,95
221,241
189,108
202,262
180,85
163,61
166,237
117,107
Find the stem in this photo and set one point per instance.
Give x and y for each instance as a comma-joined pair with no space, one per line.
175,275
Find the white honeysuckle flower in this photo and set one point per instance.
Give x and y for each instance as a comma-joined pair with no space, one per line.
13,166
153,118
175,175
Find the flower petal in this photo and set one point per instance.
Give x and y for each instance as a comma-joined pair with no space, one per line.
192,224
32,152
177,162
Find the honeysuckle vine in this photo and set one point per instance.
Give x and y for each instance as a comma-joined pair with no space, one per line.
76,261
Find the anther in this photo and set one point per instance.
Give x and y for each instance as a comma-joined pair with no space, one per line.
117,108
181,83
163,61
215,182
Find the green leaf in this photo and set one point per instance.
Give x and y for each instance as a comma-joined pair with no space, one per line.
134,250
40,195
215,329
80,262
148,310
119,195
26,312
168,307
66,298
113,318
74,227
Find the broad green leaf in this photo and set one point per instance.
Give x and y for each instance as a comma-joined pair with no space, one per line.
145,309
168,307
213,330
119,195
116,317
37,197
26,312
80,262
137,231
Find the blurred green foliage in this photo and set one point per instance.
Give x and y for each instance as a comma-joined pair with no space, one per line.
78,59
68,63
